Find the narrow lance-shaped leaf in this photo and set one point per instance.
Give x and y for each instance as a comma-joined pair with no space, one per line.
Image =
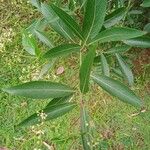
146,3
38,24
85,125
40,90
114,17
127,72
93,18
85,69
117,72
59,100
45,69
62,50
142,42
117,89
49,113
57,24
105,66
29,43
118,49
117,34
43,38
147,28
68,20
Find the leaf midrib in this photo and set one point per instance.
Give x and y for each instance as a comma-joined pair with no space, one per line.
113,88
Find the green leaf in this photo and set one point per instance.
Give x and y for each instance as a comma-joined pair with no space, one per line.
117,72
40,90
51,112
142,42
93,18
57,101
146,3
68,20
135,12
118,49
62,50
38,24
45,69
117,34
43,38
117,89
114,17
85,69
105,66
29,43
147,28
85,125
57,24
127,72
71,5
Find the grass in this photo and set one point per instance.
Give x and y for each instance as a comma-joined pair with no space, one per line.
118,126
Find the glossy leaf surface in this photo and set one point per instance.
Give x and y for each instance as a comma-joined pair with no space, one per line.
59,100
118,49
93,18
43,38
105,66
51,112
85,69
127,72
147,28
29,44
117,89
62,50
117,34
146,3
114,17
85,129
142,42
68,20
57,24
40,90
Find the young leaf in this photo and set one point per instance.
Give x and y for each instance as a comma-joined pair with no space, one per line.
85,69
117,34
127,72
142,42
51,112
43,38
117,89
146,3
114,17
93,18
68,20
57,101
57,24
119,49
29,44
105,66
62,50
40,90
86,139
